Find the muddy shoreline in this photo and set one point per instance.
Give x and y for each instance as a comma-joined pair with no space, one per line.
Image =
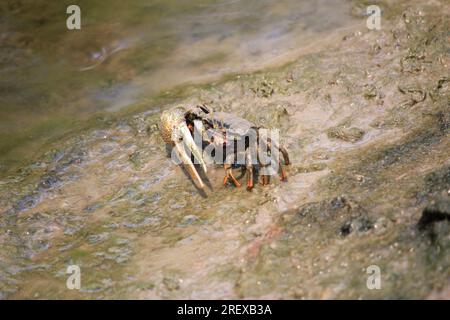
367,127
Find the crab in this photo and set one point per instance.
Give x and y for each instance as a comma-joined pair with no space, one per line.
198,133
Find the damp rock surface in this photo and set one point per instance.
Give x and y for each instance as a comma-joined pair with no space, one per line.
364,117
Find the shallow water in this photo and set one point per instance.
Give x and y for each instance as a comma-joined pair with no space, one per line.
53,80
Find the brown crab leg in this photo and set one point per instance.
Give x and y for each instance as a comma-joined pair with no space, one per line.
282,172
229,175
285,155
229,172
283,175
265,179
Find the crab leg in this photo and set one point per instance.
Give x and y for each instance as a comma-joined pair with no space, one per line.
283,151
265,179
229,173
285,154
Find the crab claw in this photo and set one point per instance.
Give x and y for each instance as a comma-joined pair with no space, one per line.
183,156
175,131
